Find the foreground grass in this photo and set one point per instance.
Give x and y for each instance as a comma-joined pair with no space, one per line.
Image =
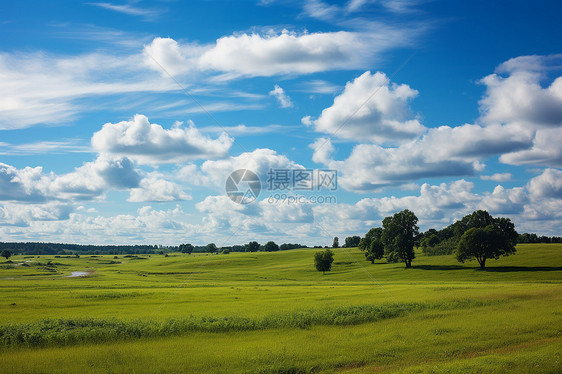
434,340
271,312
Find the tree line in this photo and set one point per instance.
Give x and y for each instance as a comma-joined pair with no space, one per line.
38,248
476,236
252,246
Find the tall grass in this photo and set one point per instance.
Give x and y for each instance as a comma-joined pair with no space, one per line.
50,332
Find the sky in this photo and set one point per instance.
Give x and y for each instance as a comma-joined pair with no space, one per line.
128,122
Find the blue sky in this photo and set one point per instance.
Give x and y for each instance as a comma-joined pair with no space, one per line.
120,122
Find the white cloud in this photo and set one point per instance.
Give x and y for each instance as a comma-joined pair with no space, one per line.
155,188
504,201
515,96
441,152
28,184
43,147
166,56
419,152
497,177
319,86
519,97
285,53
215,172
130,10
43,88
371,109
546,150
152,144
546,185
93,179
283,99
323,148
320,10
22,215
247,130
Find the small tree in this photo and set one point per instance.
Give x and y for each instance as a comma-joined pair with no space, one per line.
336,243
6,254
212,248
399,235
252,247
271,246
323,260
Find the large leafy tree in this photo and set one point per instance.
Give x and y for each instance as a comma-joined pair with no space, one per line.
492,241
399,236
323,260
6,254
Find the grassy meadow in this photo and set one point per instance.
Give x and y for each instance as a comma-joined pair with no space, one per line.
273,313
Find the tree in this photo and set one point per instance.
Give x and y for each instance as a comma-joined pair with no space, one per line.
375,251
494,240
6,254
372,245
323,260
336,243
365,243
186,248
252,247
352,241
211,248
271,247
399,236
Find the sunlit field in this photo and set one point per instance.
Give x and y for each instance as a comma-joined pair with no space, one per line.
274,313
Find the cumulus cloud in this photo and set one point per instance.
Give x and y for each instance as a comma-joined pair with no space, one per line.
442,152
92,179
272,53
546,185
215,172
545,150
371,109
283,99
504,201
22,215
285,53
149,143
396,149
28,184
86,182
516,96
156,189
166,56
519,96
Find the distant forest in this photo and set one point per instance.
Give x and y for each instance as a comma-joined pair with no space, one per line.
36,248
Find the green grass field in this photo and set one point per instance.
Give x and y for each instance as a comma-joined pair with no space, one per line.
273,313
